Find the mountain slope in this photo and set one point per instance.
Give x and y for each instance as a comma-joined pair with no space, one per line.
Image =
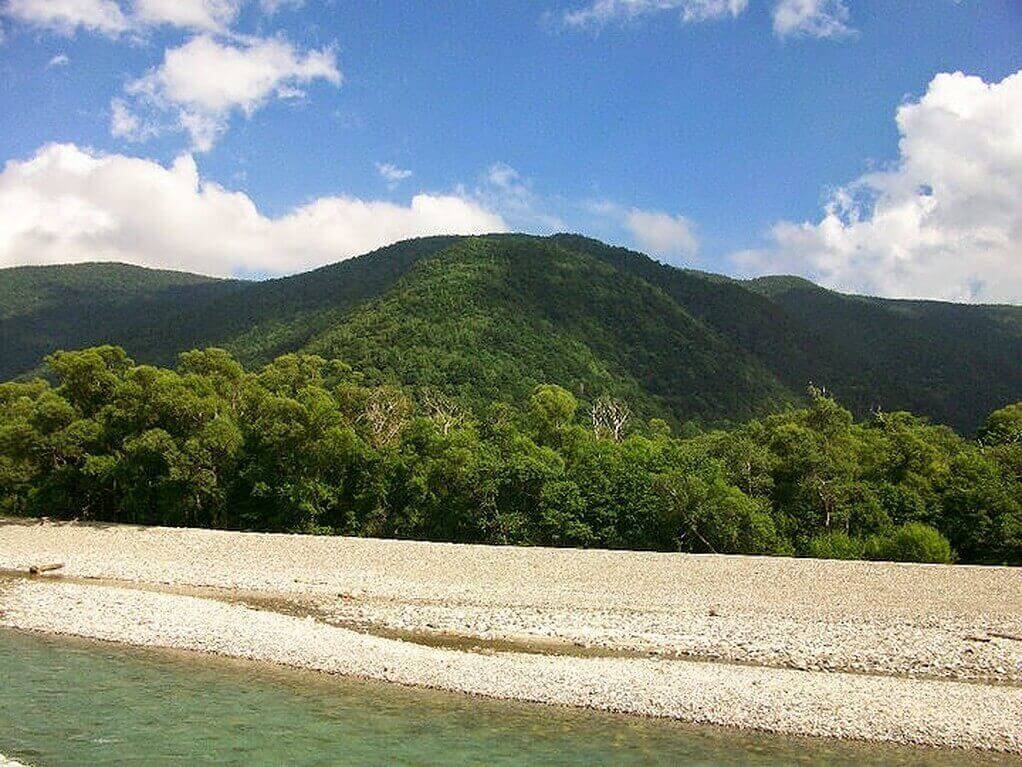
755,323
273,317
488,318
953,362
44,308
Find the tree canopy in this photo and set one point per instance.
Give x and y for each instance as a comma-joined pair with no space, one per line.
309,444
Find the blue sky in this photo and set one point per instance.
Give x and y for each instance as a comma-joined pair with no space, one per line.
726,127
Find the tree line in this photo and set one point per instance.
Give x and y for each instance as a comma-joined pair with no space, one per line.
304,444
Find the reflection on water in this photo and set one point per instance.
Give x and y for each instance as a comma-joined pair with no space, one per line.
69,702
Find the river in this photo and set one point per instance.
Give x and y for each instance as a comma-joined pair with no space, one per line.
76,702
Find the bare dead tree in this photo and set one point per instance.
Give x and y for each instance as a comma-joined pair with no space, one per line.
878,414
443,410
609,417
815,391
387,411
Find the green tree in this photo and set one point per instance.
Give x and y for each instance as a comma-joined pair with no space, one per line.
1003,426
913,542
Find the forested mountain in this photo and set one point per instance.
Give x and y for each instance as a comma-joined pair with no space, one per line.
489,318
950,362
45,308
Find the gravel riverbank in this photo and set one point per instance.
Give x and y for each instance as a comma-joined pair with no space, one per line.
904,653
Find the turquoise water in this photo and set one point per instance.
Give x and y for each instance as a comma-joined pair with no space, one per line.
68,702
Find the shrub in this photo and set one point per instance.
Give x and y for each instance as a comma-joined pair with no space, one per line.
913,542
836,545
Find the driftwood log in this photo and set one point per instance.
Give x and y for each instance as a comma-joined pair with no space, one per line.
37,569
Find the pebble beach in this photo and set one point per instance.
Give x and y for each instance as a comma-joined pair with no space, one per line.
915,654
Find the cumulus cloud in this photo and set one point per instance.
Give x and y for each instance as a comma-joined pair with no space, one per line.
670,237
503,176
112,18
60,60
206,15
812,18
67,16
600,12
944,222
392,174
123,124
68,204
202,82
662,234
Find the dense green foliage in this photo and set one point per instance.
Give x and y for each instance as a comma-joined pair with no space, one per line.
43,308
490,319
312,445
484,319
953,363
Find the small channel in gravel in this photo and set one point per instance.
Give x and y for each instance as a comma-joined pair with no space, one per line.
308,608
301,606
75,702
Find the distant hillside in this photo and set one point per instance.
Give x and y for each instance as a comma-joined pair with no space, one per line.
44,308
487,318
952,362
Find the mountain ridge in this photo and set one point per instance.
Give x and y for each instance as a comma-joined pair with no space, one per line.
484,318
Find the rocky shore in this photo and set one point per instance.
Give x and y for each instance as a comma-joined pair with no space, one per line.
903,653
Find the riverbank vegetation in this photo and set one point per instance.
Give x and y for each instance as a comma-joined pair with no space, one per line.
304,445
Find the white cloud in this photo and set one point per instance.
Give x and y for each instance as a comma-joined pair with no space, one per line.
68,204
503,176
600,12
662,234
126,124
503,189
202,82
60,60
66,16
123,123
944,222
206,15
812,18
669,237
112,18
272,6
391,173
